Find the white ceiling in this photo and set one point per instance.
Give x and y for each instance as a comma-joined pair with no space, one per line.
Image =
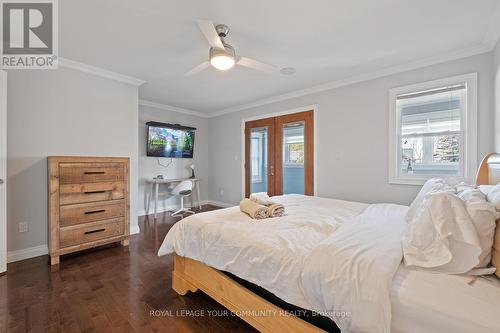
325,40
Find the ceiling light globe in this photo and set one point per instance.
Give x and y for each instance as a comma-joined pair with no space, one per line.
222,62
222,59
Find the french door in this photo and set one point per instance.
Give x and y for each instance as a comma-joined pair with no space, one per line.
3,171
279,154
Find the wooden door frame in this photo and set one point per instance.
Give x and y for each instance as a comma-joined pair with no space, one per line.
3,171
308,117
259,123
314,108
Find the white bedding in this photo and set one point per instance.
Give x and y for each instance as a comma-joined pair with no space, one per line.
352,270
442,237
271,254
427,302
267,253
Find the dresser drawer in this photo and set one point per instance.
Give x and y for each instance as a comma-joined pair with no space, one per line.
75,173
76,235
90,192
89,212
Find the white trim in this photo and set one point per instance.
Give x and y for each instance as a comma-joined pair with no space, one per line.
315,108
27,253
41,250
142,212
161,209
475,50
488,44
3,171
470,128
79,66
218,203
134,229
172,108
493,33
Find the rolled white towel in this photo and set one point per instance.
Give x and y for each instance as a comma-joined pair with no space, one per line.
276,210
253,209
261,198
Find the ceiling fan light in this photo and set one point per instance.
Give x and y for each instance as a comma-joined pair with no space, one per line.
222,62
222,59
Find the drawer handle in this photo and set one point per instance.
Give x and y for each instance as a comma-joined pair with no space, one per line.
94,172
94,231
94,192
95,211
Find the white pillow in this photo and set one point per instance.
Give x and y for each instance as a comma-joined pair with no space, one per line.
433,185
483,215
492,193
442,236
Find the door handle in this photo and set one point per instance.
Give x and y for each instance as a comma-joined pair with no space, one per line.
1,181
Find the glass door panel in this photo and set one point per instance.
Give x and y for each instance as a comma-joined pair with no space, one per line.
295,153
293,158
259,139
259,156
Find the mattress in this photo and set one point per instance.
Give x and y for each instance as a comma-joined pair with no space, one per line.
426,302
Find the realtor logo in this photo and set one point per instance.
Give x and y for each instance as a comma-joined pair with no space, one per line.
29,34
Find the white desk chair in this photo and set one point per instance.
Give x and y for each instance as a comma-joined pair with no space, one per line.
184,190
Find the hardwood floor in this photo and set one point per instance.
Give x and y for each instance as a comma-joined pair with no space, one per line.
112,289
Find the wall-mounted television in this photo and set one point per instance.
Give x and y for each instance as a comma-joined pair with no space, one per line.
168,140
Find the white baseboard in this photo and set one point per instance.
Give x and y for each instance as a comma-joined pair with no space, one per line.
134,229
162,209
218,203
36,251
28,253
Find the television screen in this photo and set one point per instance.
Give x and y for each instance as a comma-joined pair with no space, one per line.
170,142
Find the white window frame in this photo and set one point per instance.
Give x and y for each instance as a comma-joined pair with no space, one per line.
468,127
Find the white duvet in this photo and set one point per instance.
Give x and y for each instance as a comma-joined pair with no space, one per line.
325,255
268,253
351,271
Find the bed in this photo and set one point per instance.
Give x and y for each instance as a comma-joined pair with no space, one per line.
230,258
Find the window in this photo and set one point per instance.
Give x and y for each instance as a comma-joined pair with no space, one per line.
433,130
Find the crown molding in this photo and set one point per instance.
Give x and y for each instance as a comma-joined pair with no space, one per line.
493,33
79,66
464,53
475,50
173,108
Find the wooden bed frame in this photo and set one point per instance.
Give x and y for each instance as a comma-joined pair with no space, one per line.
489,170
190,276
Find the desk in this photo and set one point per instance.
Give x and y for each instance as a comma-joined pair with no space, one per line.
155,187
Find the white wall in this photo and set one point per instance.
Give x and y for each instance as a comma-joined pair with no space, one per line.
496,54
62,112
149,166
353,135
3,171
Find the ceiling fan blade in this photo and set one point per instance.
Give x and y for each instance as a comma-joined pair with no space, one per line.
254,64
198,68
208,29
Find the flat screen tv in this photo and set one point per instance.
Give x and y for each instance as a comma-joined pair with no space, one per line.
175,142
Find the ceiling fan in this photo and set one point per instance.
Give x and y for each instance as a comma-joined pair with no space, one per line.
222,55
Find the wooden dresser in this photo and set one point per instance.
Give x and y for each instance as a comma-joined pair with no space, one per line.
88,203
